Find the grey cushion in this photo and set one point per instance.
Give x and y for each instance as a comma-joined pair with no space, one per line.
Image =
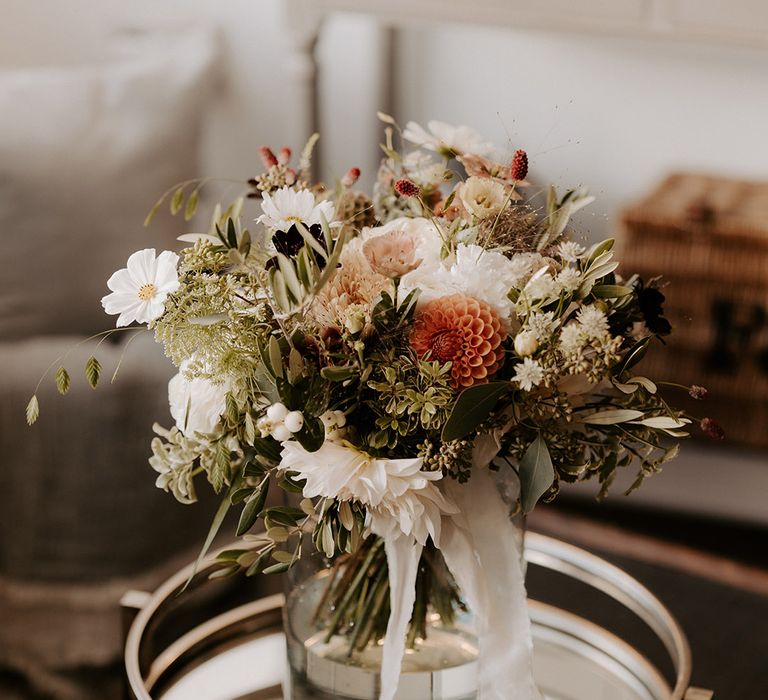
84,153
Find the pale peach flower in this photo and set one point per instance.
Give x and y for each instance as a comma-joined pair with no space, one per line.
352,291
483,197
392,254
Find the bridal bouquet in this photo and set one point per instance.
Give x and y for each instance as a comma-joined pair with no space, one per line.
384,357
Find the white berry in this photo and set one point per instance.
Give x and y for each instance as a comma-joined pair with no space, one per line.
294,421
281,433
277,412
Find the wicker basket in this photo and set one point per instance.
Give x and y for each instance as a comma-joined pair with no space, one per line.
709,238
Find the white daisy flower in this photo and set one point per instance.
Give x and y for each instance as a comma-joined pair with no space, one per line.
528,374
447,139
572,339
287,207
568,279
593,321
570,251
541,287
542,325
140,289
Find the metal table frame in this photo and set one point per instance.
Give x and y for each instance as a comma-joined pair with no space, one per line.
265,614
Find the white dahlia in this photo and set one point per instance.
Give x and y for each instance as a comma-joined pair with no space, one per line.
196,404
398,495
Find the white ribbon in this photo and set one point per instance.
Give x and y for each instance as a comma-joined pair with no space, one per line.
403,554
483,550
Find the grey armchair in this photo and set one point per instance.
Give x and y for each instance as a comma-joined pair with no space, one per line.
84,152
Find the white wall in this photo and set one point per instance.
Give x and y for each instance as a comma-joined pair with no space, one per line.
256,105
613,114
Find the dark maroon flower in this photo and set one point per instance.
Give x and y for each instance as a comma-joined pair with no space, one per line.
519,167
712,429
651,302
406,188
290,242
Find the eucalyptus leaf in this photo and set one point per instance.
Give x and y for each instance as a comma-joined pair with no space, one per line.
646,383
536,474
472,407
634,355
253,506
277,568
312,434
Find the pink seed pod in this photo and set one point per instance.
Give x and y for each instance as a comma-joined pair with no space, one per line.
352,176
267,157
284,155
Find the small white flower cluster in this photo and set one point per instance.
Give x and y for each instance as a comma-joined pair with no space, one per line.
280,423
528,374
334,422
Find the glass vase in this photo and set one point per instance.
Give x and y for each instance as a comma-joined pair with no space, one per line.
335,617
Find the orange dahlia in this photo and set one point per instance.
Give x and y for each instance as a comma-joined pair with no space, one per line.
461,330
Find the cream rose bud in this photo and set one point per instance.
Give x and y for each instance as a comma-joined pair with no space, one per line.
294,421
526,343
482,197
392,254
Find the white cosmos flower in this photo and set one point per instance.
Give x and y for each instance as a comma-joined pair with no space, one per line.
423,170
139,290
397,494
447,139
196,404
288,206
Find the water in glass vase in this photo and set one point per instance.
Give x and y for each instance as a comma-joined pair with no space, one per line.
442,665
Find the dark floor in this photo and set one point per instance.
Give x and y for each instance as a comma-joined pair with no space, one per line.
727,625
